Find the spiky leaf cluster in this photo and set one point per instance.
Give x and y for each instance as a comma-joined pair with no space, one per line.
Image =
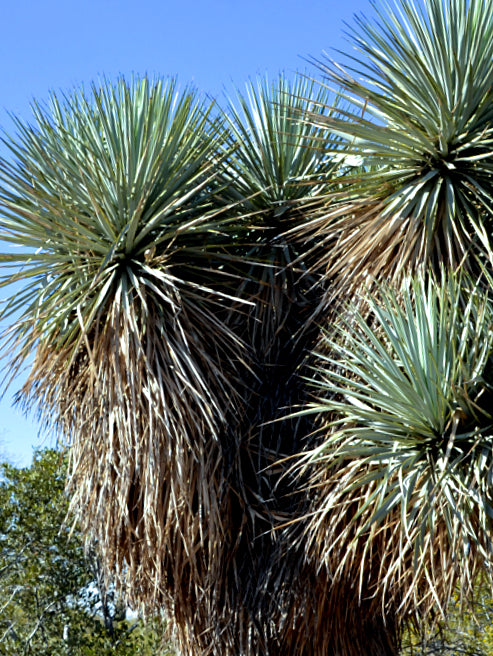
403,374
418,113
279,158
407,459
280,166
112,195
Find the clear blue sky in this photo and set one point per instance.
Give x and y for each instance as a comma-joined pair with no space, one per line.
55,45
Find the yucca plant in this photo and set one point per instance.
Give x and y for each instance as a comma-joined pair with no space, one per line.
159,301
278,165
404,394
112,196
174,263
398,521
148,222
279,158
418,112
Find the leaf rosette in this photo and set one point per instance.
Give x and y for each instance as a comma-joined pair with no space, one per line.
405,467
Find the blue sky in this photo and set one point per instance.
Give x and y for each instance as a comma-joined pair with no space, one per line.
216,45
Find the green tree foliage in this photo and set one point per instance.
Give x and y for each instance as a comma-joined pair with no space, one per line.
467,631
53,599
